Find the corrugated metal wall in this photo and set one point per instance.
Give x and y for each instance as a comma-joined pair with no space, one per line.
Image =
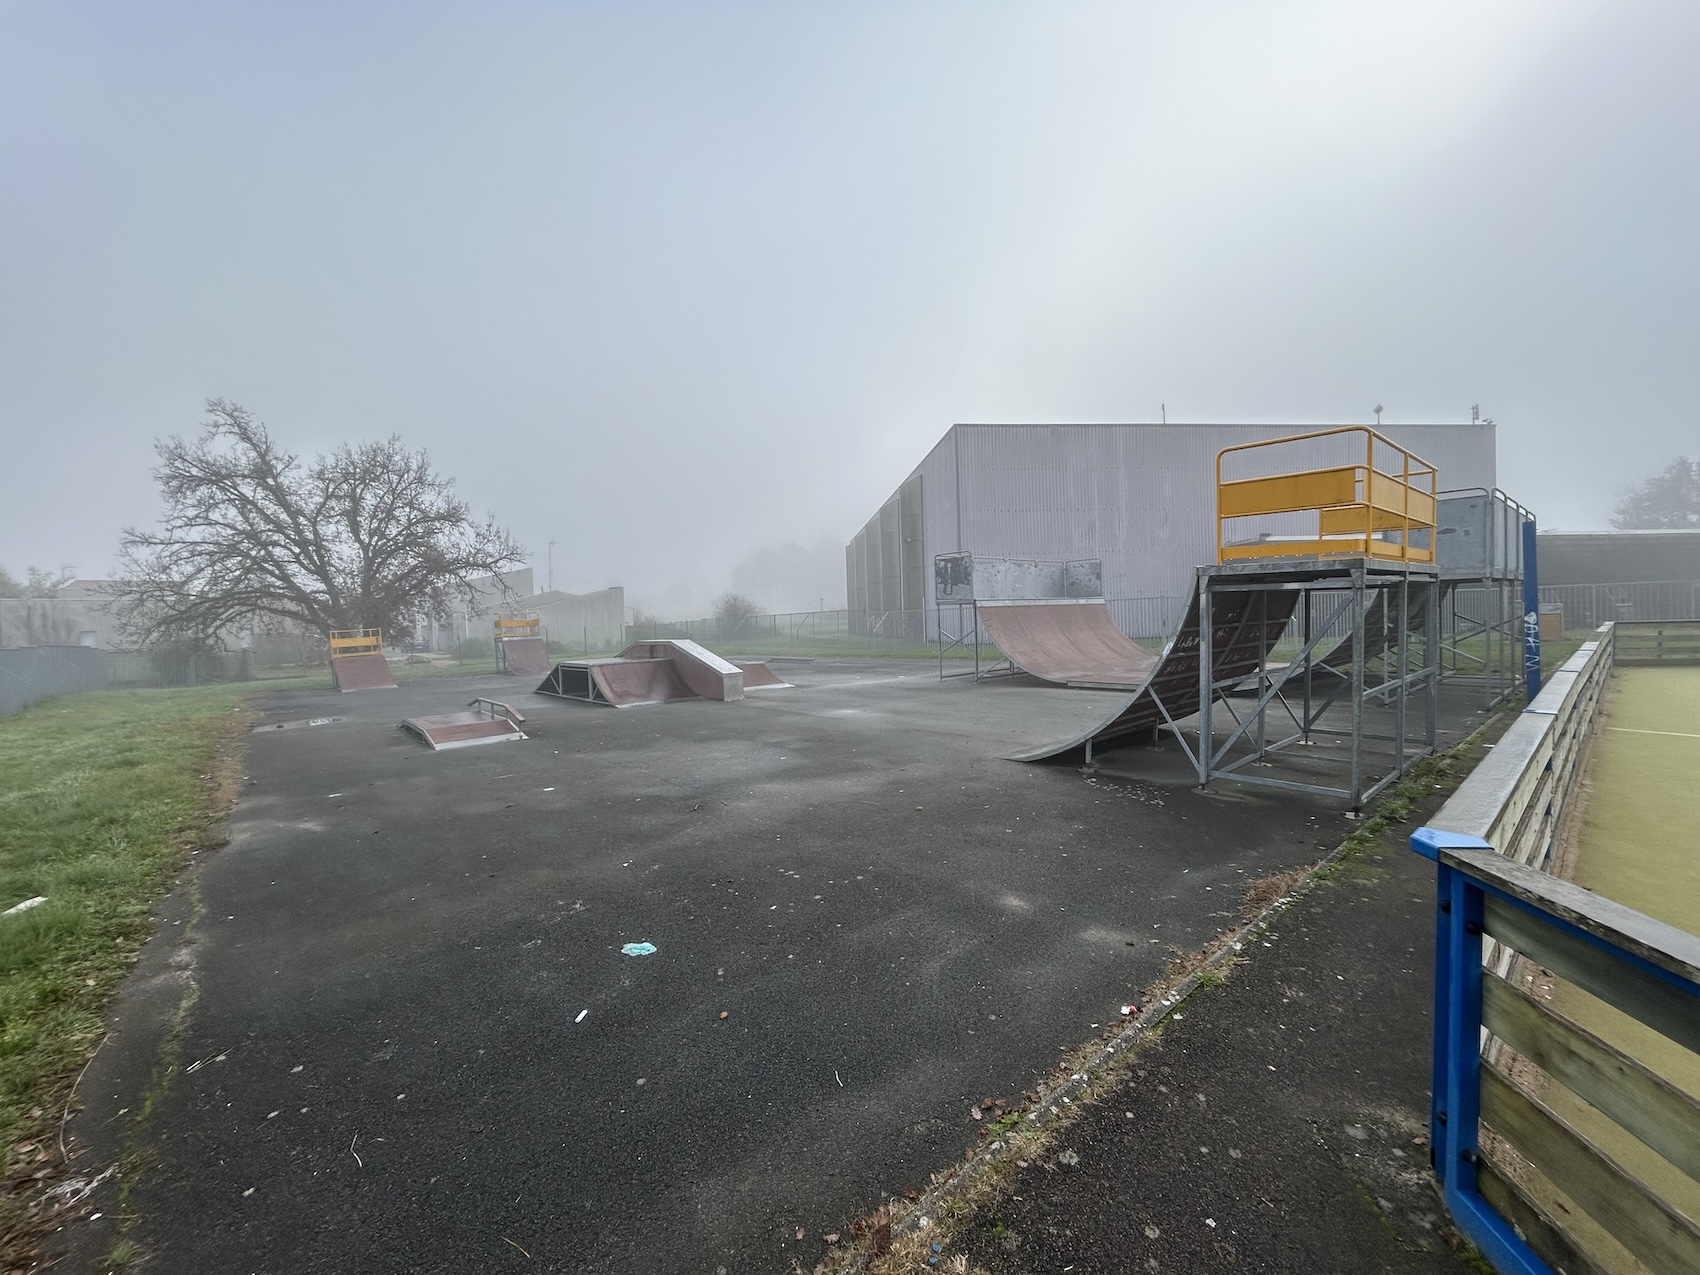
885,577
1140,497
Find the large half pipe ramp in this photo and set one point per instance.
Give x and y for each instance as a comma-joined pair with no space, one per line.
1076,643
1245,627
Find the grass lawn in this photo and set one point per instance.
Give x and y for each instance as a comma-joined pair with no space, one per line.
103,797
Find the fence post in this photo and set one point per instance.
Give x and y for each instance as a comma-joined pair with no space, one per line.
1531,613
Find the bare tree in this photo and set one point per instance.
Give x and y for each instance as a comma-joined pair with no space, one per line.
40,584
1670,498
365,537
735,606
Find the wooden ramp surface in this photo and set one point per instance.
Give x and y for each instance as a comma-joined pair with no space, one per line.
524,656
758,676
1075,643
361,672
652,672
1245,627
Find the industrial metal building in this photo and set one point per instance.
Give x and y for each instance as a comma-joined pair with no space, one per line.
1140,497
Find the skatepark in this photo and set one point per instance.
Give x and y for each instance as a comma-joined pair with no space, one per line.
714,955
414,958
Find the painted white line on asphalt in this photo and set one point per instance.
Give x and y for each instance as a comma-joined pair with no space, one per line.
1675,734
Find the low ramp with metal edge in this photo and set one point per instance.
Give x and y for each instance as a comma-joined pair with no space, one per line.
523,656
1072,641
1246,627
759,677
487,721
653,672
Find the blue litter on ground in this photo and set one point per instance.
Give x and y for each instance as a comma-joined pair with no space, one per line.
638,949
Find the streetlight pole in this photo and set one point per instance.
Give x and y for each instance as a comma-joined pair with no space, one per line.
552,545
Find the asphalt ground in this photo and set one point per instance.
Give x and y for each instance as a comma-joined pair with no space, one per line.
414,1043
1278,1122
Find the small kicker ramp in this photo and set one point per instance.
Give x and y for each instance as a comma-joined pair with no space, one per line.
523,656
487,721
1075,642
759,677
656,672
361,673
1245,627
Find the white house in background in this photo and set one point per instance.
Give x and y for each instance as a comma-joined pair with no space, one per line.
578,621
78,614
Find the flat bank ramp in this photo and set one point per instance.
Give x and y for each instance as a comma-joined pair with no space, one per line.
524,656
1076,643
361,673
1245,627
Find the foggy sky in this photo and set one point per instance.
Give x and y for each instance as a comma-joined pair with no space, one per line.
669,284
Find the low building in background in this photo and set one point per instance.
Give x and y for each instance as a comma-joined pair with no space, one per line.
78,614
1596,576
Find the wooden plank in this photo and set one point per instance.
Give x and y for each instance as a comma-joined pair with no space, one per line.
1643,1102
1663,945
1637,993
1540,1230
1616,1199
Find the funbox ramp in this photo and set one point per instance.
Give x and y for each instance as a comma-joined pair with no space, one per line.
524,656
655,672
1245,627
1074,642
361,672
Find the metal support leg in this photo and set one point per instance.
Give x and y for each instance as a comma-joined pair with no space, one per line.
1431,655
1206,678
1403,668
1357,686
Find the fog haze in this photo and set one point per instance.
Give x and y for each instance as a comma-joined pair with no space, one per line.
690,289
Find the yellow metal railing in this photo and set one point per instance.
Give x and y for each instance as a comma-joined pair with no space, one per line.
518,626
357,642
1379,502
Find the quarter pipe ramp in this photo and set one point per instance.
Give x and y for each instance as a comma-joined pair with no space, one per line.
361,673
1245,626
1073,642
523,656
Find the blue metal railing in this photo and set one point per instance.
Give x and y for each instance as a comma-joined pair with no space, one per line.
1475,883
